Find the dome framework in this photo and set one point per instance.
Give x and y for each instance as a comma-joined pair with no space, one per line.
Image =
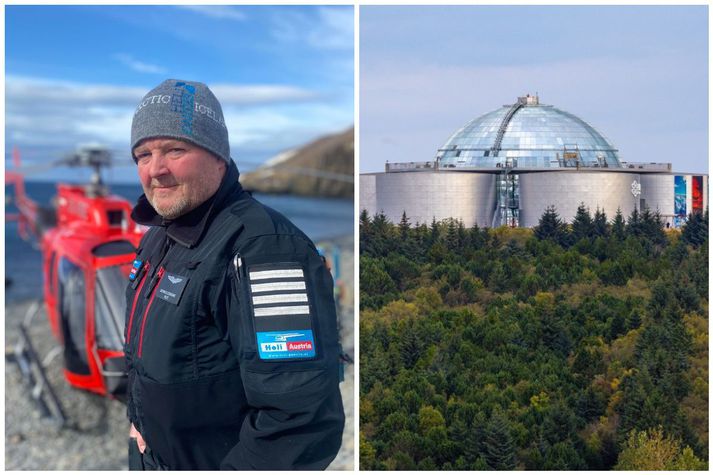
527,134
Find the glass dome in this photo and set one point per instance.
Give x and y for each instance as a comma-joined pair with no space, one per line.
532,135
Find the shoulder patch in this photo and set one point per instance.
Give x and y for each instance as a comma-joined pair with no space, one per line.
285,345
281,310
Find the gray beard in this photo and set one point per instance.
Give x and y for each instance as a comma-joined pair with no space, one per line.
175,210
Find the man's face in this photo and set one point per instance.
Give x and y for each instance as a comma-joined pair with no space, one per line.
177,176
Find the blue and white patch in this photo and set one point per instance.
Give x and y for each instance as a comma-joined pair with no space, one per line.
138,268
135,267
285,345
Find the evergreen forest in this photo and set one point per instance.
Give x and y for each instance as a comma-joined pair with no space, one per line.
569,346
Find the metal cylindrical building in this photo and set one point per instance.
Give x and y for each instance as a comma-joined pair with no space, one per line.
566,190
507,166
425,195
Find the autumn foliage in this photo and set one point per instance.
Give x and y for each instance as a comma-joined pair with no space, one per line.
572,346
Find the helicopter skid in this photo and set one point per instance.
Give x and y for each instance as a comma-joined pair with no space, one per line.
33,371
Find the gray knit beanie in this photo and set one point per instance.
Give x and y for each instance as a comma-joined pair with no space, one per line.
183,110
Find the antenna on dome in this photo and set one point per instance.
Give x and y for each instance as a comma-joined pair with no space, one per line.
529,100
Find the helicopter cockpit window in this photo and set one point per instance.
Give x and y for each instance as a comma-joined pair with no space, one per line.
115,217
110,307
72,310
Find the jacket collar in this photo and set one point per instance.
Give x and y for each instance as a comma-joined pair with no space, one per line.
188,229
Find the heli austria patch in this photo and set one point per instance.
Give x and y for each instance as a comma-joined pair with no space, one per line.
285,344
171,288
279,294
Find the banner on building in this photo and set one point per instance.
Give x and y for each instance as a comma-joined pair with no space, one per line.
697,194
679,203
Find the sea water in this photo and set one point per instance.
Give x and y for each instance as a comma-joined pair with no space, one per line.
319,218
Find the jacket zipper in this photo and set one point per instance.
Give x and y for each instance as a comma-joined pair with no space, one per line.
154,288
136,299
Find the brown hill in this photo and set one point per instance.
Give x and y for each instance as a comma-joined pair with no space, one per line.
322,168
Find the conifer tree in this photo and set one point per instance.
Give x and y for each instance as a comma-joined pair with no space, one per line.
462,235
634,320
601,227
404,226
364,220
381,229
551,227
695,231
406,242
582,224
422,236
634,223
652,226
435,232
618,228
365,232
410,347
475,237
380,224
658,228
499,446
475,440
452,234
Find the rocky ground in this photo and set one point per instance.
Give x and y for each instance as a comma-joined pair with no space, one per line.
97,432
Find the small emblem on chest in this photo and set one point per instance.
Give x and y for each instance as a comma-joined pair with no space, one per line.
171,288
136,268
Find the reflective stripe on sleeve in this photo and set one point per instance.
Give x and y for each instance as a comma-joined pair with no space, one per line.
279,298
292,310
272,286
276,274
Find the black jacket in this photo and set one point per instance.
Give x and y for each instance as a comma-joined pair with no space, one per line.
231,339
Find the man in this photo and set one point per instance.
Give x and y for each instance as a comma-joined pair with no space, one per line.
231,338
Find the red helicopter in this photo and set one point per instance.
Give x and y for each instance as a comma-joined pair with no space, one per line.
88,244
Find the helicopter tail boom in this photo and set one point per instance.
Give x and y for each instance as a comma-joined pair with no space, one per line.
31,217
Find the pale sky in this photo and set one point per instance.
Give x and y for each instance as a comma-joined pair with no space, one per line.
638,74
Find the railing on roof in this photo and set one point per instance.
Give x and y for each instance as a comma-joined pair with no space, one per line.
512,164
664,167
391,167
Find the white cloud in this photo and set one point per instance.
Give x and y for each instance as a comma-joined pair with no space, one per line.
44,114
332,29
139,66
39,92
223,12
336,30
260,94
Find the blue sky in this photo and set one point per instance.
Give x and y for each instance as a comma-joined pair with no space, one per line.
74,74
638,74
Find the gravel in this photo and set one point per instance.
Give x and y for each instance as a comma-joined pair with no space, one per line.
96,438
97,434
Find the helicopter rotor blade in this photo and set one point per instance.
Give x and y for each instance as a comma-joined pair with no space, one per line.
30,170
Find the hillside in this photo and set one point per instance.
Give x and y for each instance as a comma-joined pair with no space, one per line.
323,168
564,347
